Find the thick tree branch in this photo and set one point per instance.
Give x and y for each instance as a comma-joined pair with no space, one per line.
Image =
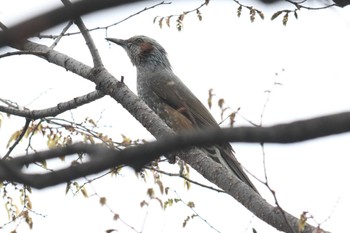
53,111
102,158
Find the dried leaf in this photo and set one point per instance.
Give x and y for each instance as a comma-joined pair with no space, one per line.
160,22
150,192
181,17
206,2
84,192
103,201
199,15
185,221
143,203
116,217
221,103
68,186
126,141
261,14
232,119
167,21
191,204
155,18
239,11
91,121
13,137
252,14
276,14
160,202
160,185
179,26
285,19
302,222
210,98
295,14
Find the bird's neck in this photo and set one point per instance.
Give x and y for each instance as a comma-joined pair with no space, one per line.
152,62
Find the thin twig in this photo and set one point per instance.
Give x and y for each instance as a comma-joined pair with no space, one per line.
185,178
60,36
24,130
22,53
108,26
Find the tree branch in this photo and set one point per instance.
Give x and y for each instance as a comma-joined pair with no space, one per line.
54,17
88,39
102,158
53,111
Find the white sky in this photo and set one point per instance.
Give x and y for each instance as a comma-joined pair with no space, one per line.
236,58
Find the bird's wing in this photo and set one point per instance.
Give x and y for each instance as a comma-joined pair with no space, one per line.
179,97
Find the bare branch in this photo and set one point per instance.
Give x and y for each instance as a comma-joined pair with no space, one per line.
107,158
51,18
88,39
185,178
59,37
22,53
53,111
107,26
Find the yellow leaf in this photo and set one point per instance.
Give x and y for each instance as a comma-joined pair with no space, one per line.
302,222
83,191
191,204
13,137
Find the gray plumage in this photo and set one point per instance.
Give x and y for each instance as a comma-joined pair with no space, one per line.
165,93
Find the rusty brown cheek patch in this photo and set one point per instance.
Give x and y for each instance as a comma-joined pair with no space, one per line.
146,47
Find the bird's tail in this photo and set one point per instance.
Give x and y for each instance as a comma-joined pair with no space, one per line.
225,156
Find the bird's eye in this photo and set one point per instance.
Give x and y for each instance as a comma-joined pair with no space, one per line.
128,45
139,40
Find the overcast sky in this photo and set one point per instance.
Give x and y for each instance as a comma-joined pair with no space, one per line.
240,61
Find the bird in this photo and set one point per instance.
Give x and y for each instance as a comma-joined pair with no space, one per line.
172,100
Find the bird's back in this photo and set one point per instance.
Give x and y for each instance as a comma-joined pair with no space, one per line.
175,103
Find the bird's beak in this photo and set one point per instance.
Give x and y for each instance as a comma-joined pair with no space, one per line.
117,41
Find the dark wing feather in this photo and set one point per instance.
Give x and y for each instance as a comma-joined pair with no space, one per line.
179,97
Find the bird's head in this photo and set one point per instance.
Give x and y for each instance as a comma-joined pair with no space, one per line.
144,52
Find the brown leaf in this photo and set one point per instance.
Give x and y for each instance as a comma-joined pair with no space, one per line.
252,14
155,18
285,19
221,103
276,14
160,22
167,21
210,98
239,11
103,201
261,14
